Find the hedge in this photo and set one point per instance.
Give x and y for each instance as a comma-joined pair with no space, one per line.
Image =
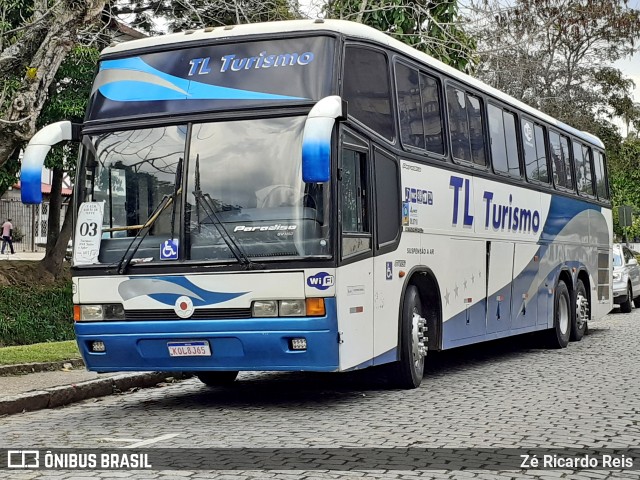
35,314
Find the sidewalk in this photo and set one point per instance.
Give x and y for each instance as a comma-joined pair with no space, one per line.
35,256
66,382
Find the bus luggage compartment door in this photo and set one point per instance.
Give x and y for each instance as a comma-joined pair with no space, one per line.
499,277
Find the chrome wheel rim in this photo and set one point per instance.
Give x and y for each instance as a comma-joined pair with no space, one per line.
418,339
582,311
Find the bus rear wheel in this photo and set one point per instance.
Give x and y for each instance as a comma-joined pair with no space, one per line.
582,313
407,372
562,317
217,379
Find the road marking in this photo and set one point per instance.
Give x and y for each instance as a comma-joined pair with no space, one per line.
152,440
121,440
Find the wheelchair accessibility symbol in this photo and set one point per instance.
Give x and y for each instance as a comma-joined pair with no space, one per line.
169,250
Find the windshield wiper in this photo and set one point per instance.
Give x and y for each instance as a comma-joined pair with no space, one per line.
146,228
237,251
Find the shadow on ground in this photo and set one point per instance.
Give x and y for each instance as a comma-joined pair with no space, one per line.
309,389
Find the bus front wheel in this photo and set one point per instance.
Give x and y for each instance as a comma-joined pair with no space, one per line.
408,371
562,316
217,379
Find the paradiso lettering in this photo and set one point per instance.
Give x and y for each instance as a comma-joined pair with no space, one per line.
510,217
200,66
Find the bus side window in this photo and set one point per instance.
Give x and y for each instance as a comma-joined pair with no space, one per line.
354,203
366,87
432,114
409,106
535,154
466,127
582,159
560,160
601,182
504,147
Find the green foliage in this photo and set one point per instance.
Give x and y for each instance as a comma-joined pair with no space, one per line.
36,314
427,26
624,182
17,235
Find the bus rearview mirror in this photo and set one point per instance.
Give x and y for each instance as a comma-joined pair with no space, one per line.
35,154
316,139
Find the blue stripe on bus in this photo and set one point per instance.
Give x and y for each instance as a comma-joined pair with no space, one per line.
251,344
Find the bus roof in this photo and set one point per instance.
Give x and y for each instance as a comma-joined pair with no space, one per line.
351,29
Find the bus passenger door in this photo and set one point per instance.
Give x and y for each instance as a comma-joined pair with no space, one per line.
354,277
499,276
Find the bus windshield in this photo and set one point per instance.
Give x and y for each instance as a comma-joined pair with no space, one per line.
242,189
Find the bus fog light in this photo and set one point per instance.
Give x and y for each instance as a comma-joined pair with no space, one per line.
292,308
298,344
91,313
264,308
98,346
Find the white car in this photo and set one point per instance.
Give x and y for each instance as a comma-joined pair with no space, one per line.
626,278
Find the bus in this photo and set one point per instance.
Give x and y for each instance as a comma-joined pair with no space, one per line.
314,195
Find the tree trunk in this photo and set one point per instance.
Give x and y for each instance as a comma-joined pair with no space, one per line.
54,257
42,48
55,203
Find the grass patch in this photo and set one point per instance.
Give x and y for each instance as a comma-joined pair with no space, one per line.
39,352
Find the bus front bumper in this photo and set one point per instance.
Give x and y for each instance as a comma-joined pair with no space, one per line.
258,344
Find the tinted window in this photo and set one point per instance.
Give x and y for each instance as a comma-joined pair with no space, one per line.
559,150
504,147
582,159
465,124
354,207
366,89
387,198
409,106
512,143
601,184
430,89
535,157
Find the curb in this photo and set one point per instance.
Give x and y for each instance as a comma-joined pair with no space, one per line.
23,368
63,395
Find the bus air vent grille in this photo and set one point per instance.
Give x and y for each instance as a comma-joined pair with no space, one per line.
198,314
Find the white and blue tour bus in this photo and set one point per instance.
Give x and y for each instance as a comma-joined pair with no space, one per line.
316,196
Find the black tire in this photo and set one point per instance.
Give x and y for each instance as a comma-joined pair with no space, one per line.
217,379
625,307
581,313
407,372
562,314
636,302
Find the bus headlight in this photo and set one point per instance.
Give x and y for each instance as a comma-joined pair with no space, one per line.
264,308
292,308
98,313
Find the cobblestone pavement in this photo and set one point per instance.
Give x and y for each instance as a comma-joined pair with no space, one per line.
501,394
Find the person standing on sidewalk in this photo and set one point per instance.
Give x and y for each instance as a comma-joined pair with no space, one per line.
7,231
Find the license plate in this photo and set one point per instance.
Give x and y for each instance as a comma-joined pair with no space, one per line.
189,349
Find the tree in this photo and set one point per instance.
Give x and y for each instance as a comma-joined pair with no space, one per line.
191,14
557,55
429,26
35,37
68,96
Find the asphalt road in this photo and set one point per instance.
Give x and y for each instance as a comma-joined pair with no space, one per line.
504,394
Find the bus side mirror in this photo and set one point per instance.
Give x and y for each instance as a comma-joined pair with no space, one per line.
35,154
316,139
